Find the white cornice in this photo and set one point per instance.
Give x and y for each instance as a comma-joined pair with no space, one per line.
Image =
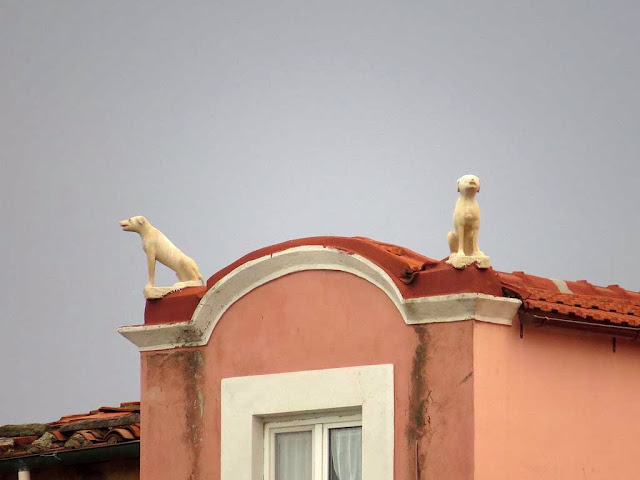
252,274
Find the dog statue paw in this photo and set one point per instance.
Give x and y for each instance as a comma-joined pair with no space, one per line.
463,240
153,293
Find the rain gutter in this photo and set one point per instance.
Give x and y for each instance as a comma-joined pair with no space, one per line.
542,319
97,454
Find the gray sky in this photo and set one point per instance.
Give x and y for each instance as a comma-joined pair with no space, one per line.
236,125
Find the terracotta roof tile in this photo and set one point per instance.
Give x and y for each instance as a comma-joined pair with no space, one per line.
94,415
125,407
6,444
398,261
24,440
415,275
76,431
61,437
122,434
580,300
418,276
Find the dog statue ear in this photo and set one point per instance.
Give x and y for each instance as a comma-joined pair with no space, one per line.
459,185
141,220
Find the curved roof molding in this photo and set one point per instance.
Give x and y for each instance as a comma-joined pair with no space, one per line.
254,273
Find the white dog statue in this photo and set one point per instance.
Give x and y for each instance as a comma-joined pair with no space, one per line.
158,247
463,240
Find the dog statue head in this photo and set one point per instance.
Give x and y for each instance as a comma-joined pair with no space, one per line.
134,224
468,182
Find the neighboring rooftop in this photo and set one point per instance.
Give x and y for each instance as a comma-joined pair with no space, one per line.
578,304
104,427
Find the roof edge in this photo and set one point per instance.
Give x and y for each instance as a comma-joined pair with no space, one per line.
251,273
92,454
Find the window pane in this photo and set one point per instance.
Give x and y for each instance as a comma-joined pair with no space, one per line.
345,459
293,456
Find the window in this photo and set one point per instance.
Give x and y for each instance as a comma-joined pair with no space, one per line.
250,403
328,448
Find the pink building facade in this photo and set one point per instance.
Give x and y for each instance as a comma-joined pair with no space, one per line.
330,345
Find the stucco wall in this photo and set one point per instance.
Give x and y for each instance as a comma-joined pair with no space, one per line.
305,321
446,450
472,399
171,407
555,404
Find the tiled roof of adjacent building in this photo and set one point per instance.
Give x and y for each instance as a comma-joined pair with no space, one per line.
579,301
101,427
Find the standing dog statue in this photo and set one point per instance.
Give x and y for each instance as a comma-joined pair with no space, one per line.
463,240
158,247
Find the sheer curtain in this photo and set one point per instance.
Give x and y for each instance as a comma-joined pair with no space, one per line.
346,453
293,456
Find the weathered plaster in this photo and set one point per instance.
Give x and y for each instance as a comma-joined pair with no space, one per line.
172,389
446,449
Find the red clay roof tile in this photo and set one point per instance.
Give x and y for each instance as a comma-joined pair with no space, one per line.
418,276
6,444
583,301
17,446
122,432
61,437
24,440
414,275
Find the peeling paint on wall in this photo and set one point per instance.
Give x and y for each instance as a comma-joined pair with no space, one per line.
186,369
418,394
195,406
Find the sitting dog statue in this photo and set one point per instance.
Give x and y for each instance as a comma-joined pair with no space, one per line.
463,240
158,247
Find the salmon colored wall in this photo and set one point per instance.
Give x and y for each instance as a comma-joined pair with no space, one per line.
171,411
304,321
555,404
447,449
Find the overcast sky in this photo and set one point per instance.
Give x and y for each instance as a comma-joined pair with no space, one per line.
235,125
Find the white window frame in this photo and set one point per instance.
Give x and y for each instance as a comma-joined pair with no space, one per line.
247,402
319,428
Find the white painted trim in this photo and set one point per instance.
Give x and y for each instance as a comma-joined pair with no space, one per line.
461,306
247,402
561,285
257,272
319,427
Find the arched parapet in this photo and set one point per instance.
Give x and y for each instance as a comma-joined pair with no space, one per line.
255,272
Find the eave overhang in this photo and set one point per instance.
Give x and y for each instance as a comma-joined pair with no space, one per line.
538,318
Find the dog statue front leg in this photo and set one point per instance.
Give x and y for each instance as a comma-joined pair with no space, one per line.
476,251
461,239
151,266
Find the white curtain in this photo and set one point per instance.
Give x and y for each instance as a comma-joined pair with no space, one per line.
346,453
293,456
